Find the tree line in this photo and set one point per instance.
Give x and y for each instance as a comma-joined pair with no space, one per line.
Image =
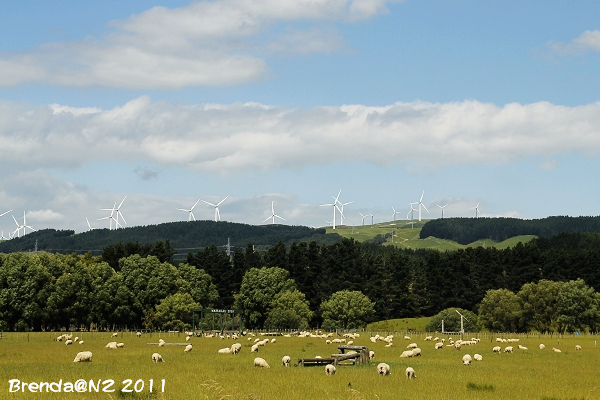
123,288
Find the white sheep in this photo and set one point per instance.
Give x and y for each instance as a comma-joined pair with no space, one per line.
351,342
120,345
226,350
188,348
497,349
328,341
554,349
412,346
406,337
383,369
115,334
428,338
416,352
410,373
478,357
236,348
467,359
457,345
260,362
157,358
83,356
508,349
111,345
407,354
68,342
439,346
542,346
330,369
254,348
81,342
161,343
76,338
373,339
577,347
273,340
521,347
371,355
187,338
138,334
285,361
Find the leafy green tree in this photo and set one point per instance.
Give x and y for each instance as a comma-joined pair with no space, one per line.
198,284
577,306
501,311
174,312
346,309
259,288
540,305
452,321
289,310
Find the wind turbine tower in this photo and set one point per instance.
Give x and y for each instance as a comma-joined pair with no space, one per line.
442,208
476,208
190,211
216,206
420,203
394,214
334,204
273,215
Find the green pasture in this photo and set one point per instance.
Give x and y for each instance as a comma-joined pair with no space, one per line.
406,235
400,325
204,374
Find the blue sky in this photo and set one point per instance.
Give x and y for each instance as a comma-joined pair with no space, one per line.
472,102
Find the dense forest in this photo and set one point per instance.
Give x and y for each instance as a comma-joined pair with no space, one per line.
123,288
183,236
468,230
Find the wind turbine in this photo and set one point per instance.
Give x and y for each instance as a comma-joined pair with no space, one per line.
334,204
273,215
89,226
412,215
476,208
442,207
24,226
394,214
420,203
191,215
372,216
118,210
363,217
3,237
110,217
342,211
216,206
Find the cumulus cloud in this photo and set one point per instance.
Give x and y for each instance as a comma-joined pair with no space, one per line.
203,43
586,42
233,137
146,173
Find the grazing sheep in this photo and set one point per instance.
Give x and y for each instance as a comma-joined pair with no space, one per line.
328,341
457,345
157,358
542,346
68,342
285,361
373,339
273,340
351,342
554,349
236,348
416,352
522,347
225,350
187,338
81,342
188,348
439,346
59,338
508,349
115,334
120,345
428,338
467,359
254,348
383,369
256,340
161,343
407,354
497,349
111,345
330,369
412,346
138,334
478,357
371,355
410,373
83,356
76,338
260,362
406,337
577,347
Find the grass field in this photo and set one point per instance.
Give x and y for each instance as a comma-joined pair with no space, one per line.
204,374
407,236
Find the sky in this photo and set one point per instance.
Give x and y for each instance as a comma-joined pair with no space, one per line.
164,103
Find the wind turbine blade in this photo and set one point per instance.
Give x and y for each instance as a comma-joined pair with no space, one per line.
275,215
268,218
210,204
99,219
338,196
122,201
183,209
119,213
326,205
219,203
194,205
15,220
5,213
425,207
272,208
422,194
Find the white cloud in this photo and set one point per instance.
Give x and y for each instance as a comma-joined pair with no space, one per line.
233,137
587,41
204,43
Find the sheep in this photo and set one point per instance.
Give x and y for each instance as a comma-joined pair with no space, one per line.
59,338
120,345
467,359
373,339
577,347
390,344
138,334
161,343
407,354
554,349
187,338
83,356
260,362
188,348
68,342
111,345
412,346
499,340
114,334
457,345
383,369
254,348
225,350
328,341
157,358
478,357
521,347
497,349
410,373
406,337
318,357
273,340
371,355
236,348
439,346
76,338
256,340
351,342
416,352
81,342
428,338
285,361
330,369
542,346
508,349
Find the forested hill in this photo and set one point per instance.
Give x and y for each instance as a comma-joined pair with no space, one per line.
186,236
468,230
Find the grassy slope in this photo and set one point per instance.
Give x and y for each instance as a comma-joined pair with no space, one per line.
204,374
406,236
